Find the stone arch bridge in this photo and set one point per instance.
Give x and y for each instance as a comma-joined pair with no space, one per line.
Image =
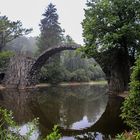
23,71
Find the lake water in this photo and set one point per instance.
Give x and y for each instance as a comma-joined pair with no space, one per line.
82,111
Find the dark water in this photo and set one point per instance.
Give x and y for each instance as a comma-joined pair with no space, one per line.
82,112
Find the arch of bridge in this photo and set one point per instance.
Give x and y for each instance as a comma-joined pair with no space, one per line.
42,58
23,71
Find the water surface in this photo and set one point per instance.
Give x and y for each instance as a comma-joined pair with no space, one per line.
76,109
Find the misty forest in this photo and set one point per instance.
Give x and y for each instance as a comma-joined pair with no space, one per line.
53,88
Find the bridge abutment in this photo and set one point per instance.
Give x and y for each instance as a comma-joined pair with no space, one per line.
17,75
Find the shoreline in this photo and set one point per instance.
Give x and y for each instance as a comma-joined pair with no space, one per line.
124,94
64,84
73,83
60,84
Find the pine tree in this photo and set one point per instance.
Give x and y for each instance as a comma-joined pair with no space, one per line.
51,35
51,32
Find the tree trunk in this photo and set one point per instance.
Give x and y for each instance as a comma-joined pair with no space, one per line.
115,64
1,47
120,72
118,81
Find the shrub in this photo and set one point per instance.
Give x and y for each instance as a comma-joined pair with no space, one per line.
52,73
4,60
128,136
137,135
80,75
131,106
54,135
6,121
120,137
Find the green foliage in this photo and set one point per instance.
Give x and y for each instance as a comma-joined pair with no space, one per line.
128,136
75,64
51,32
53,73
51,35
25,44
137,135
111,33
31,128
79,75
4,60
68,40
62,67
71,68
55,135
120,137
9,30
111,23
131,106
7,122
6,117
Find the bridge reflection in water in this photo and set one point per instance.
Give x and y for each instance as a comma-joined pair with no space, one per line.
77,109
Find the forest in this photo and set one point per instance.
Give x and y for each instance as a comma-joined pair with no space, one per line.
68,66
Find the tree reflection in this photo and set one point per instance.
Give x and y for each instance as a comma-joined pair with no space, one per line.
56,105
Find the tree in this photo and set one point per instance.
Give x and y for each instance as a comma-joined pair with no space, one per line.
9,30
4,60
68,40
24,44
51,32
51,35
112,36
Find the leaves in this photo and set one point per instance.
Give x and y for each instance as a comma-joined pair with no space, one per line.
54,135
9,30
9,130
130,108
51,32
111,23
111,32
4,60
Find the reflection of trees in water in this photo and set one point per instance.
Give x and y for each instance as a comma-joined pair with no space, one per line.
74,103
109,123
72,111
55,105
93,110
18,103
47,111
86,90
110,119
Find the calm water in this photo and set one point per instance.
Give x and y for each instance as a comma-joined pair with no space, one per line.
82,112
